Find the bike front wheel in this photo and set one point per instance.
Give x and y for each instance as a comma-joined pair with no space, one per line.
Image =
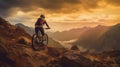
45,42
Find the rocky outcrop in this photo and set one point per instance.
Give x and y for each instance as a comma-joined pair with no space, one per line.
78,59
74,47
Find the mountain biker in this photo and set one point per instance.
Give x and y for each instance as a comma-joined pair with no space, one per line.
39,25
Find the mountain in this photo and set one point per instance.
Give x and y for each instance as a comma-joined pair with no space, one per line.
68,35
100,38
29,30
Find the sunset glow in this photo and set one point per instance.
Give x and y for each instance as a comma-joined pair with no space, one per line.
64,14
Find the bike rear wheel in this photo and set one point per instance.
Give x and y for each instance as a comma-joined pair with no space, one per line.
36,42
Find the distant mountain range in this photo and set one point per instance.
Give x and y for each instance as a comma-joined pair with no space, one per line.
100,38
69,35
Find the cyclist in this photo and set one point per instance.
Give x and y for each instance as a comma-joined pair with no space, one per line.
39,25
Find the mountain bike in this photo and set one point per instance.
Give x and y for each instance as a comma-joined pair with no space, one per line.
37,41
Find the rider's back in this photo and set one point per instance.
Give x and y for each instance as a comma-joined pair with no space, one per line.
40,21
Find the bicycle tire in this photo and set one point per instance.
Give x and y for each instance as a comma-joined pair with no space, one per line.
33,44
47,39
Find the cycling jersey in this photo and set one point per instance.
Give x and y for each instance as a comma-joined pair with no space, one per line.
40,21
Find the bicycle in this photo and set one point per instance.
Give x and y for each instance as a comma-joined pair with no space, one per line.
38,42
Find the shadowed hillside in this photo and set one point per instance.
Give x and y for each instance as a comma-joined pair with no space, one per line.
111,39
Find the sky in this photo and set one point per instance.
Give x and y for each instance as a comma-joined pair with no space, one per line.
62,14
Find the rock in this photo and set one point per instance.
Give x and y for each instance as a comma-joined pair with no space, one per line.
3,50
75,59
4,60
23,40
74,47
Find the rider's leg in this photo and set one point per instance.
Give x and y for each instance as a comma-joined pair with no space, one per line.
43,33
36,31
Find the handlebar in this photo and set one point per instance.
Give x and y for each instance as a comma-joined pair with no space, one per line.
47,28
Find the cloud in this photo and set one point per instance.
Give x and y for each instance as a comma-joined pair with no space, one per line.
90,4
113,2
56,4
10,7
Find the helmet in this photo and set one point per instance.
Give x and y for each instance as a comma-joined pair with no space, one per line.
42,16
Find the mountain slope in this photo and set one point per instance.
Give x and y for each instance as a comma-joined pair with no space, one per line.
11,33
16,51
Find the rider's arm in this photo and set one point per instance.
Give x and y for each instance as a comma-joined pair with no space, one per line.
47,24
